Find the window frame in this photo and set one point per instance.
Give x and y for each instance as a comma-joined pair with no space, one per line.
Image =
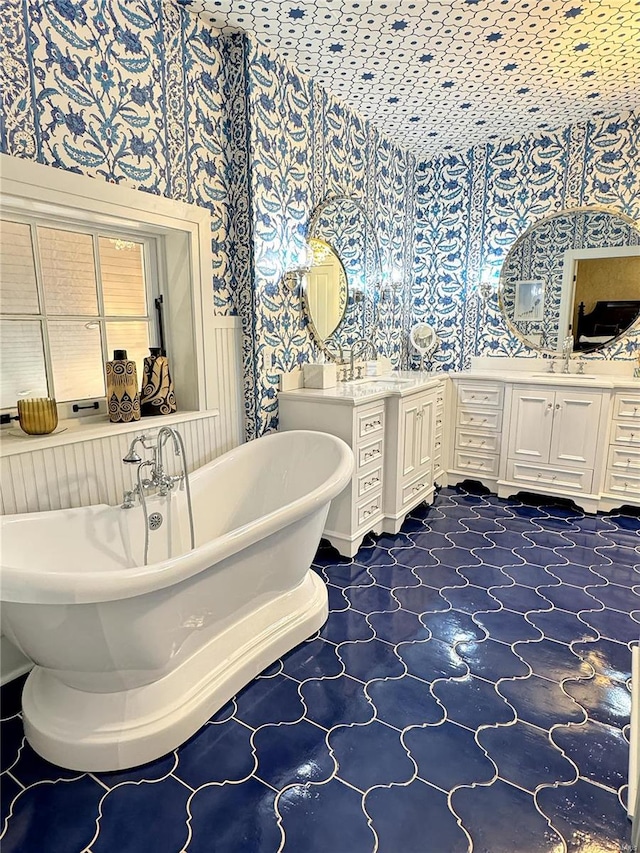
79,407
184,257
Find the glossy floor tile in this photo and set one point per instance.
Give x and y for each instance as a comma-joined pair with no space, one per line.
468,693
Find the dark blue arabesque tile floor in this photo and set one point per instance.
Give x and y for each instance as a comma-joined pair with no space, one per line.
468,692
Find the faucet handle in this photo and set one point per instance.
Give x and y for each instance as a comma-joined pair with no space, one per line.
581,365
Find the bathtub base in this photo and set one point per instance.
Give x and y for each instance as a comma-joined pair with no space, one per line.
115,731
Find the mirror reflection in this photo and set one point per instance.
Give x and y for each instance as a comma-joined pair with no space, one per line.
325,289
576,273
341,304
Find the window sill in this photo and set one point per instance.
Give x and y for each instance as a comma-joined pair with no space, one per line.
89,429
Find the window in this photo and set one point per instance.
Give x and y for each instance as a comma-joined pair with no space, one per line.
69,296
33,194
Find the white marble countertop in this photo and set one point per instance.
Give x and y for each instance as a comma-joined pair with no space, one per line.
400,383
576,380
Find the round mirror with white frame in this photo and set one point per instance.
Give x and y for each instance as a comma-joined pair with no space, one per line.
574,273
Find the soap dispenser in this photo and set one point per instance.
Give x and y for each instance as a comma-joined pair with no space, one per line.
123,399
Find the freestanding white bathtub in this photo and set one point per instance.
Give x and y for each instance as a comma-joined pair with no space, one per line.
130,659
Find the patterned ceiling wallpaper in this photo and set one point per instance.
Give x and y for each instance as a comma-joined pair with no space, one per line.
442,75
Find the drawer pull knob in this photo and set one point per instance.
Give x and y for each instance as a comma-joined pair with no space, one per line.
486,397
549,406
558,406
482,443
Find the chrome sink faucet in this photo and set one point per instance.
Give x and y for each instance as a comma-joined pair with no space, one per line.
358,349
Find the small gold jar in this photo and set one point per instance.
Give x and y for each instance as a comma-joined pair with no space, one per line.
38,416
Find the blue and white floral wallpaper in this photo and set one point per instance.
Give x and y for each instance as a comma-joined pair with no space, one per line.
143,93
305,146
472,206
127,92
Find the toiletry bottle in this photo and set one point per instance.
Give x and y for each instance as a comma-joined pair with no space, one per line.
123,399
158,397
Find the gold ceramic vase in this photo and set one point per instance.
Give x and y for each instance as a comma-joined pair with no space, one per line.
38,416
158,397
123,399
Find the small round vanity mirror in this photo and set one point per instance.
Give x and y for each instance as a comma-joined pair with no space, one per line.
424,339
325,291
575,274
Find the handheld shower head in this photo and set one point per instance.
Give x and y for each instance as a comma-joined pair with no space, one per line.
133,457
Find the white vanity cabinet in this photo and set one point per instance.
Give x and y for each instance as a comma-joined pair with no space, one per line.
359,508
555,441
552,441
554,427
395,427
476,416
622,479
409,455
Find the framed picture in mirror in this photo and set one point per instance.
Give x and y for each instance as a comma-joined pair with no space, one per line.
529,300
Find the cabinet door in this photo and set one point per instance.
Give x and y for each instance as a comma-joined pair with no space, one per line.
576,417
531,424
426,422
409,430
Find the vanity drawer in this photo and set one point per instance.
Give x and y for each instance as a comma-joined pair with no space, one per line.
370,481
466,439
491,420
626,406
369,423
624,459
626,433
369,510
555,478
370,452
421,485
625,485
476,463
476,394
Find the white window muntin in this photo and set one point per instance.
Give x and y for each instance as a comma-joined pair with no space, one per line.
152,274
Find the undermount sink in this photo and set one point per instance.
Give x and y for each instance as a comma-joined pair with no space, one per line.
566,377
379,380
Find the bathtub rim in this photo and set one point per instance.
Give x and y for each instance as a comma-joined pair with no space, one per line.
30,586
